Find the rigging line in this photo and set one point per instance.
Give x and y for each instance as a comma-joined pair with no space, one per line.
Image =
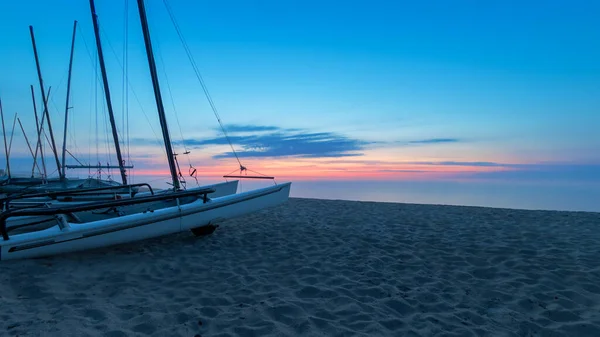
162,62
264,175
93,97
105,38
106,135
200,79
39,128
90,124
80,163
72,113
128,83
123,72
72,139
131,88
97,141
12,133
55,105
180,178
192,171
93,59
274,181
126,75
28,145
60,83
58,87
231,172
48,140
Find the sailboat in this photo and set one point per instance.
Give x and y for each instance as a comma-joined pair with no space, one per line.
23,185
87,189
11,185
106,223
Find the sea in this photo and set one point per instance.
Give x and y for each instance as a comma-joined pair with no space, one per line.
516,195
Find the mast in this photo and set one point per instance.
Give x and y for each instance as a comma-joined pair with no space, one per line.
28,145
12,134
5,144
64,148
157,95
38,127
47,113
107,92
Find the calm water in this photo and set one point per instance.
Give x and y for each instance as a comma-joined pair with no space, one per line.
490,194
573,198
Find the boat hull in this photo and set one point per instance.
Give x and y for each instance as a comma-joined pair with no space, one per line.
140,226
36,185
221,190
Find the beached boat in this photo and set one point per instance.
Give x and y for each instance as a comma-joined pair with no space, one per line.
48,192
87,225
78,197
62,197
92,225
23,185
15,185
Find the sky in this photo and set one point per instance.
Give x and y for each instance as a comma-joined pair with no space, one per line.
502,91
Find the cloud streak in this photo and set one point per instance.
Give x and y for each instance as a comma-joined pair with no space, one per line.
268,141
427,163
435,141
248,128
467,163
279,142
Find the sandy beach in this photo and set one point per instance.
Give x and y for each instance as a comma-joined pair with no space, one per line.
326,268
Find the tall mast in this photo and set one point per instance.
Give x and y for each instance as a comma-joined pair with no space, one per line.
5,144
47,113
107,92
157,95
64,148
38,127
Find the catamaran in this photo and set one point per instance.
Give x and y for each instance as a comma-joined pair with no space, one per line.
30,190
99,224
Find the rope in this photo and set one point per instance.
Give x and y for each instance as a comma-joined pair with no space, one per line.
193,173
12,133
77,160
92,105
201,80
231,172
97,138
188,52
180,176
162,63
125,98
106,135
264,175
128,82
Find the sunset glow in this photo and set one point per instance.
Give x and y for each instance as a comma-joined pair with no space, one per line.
345,98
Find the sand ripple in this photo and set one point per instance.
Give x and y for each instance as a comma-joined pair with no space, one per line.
330,268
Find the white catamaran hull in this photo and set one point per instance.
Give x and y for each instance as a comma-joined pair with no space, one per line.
140,226
221,190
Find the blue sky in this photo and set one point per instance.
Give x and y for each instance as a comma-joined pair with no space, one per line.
301,82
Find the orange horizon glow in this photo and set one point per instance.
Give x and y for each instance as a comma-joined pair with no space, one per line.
334,171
